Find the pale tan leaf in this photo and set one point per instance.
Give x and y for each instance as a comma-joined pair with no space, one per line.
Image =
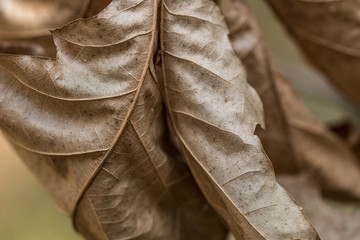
90,125
213,112
293,138
248,44
328,33
331,223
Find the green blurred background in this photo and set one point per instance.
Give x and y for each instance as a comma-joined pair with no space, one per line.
27,212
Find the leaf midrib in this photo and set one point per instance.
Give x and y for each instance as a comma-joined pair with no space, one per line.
183,142
125,121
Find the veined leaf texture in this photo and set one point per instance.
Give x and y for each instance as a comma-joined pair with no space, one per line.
293,138
91,124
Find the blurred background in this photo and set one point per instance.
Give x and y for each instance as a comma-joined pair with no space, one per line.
27,211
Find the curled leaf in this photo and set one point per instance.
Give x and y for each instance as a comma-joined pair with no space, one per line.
328,33
293,138
248,43
213,112
26,23
90,125
33,18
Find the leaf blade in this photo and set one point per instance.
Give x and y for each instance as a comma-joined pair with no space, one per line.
214,113
307,143
94,117
334,36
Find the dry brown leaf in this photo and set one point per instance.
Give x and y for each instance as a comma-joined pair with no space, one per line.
293,138
96,6
90,125
331,223
248,44
21,47
328,33
38,46
213,112
26,23
33,18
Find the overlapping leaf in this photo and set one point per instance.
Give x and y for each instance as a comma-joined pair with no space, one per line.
90,125
25,24
331,224
293,138
39,16
246,39
328,33
213,112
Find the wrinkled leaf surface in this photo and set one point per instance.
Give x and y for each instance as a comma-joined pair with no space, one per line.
213,112
293,138
90,125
